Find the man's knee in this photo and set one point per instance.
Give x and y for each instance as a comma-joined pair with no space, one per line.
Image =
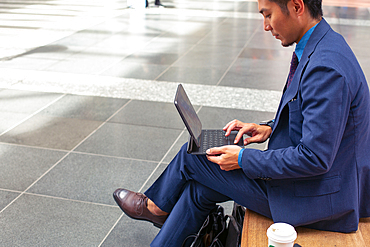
200,195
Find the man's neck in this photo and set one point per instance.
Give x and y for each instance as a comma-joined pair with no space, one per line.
310,22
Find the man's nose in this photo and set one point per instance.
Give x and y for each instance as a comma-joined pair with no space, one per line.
267,26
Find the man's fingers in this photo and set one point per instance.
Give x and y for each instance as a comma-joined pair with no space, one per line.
253,139
213,151
213,158
227,126
238,137
233,125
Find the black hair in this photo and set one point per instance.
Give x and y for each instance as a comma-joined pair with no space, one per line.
314,7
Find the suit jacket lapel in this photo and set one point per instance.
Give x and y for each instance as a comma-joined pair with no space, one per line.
291,92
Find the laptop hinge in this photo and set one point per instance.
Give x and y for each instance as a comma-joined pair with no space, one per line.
192,146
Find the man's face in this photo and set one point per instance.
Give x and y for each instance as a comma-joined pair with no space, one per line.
281,23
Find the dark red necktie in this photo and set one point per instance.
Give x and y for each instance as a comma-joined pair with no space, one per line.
293,67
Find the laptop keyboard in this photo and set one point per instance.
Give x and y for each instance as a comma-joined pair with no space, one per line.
214,138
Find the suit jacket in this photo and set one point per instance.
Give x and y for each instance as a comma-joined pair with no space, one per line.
317,166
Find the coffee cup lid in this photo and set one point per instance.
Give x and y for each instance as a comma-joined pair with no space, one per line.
281,233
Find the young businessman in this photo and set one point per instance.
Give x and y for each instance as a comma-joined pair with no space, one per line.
316,170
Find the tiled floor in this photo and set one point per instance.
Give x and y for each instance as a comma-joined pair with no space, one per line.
86,91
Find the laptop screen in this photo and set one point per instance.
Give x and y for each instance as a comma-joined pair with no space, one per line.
188,114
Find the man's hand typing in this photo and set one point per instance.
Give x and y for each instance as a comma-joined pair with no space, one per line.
258,133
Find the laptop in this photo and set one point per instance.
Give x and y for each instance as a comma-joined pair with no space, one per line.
200,140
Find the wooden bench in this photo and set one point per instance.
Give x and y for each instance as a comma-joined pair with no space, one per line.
256,225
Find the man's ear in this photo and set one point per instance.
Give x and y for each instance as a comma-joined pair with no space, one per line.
298,7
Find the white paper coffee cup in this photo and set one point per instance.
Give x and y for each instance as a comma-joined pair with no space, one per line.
281,235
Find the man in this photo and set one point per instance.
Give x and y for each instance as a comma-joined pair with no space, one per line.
316,171
157,3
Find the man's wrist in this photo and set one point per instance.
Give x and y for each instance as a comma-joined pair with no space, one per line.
268,123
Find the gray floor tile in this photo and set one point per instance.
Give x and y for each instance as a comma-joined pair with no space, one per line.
184,37
187,28
252,73
130,141
19,101
217,118
7,197
227,38
226,52
266,54
205,60
247,27
126,41
28,63
130,233
51,132
205,76
85,107
10,119
264,40
93,178
184,138
146,113
167,45
41,221
106,52
113,26
135,70
22,166
52,51
81,63
152,58
83,38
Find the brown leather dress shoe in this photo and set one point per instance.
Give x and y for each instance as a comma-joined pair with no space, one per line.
135,206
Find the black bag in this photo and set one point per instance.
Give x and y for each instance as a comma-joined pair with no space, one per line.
234,232
215,231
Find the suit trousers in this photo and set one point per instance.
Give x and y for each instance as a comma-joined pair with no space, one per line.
189,189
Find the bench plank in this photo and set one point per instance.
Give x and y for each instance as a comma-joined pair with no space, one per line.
256,225
364,227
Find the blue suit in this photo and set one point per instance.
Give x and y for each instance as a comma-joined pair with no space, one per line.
316,171
318,156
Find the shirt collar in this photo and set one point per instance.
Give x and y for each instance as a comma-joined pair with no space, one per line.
302,43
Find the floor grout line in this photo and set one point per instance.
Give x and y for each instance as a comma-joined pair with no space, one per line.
161,162
72,200
112,228
79,152
33,114
237,56
190,49
61,159
23,192
165,155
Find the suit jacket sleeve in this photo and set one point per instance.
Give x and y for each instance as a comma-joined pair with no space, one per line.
313,124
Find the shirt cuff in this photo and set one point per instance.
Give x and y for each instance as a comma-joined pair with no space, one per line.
240,157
